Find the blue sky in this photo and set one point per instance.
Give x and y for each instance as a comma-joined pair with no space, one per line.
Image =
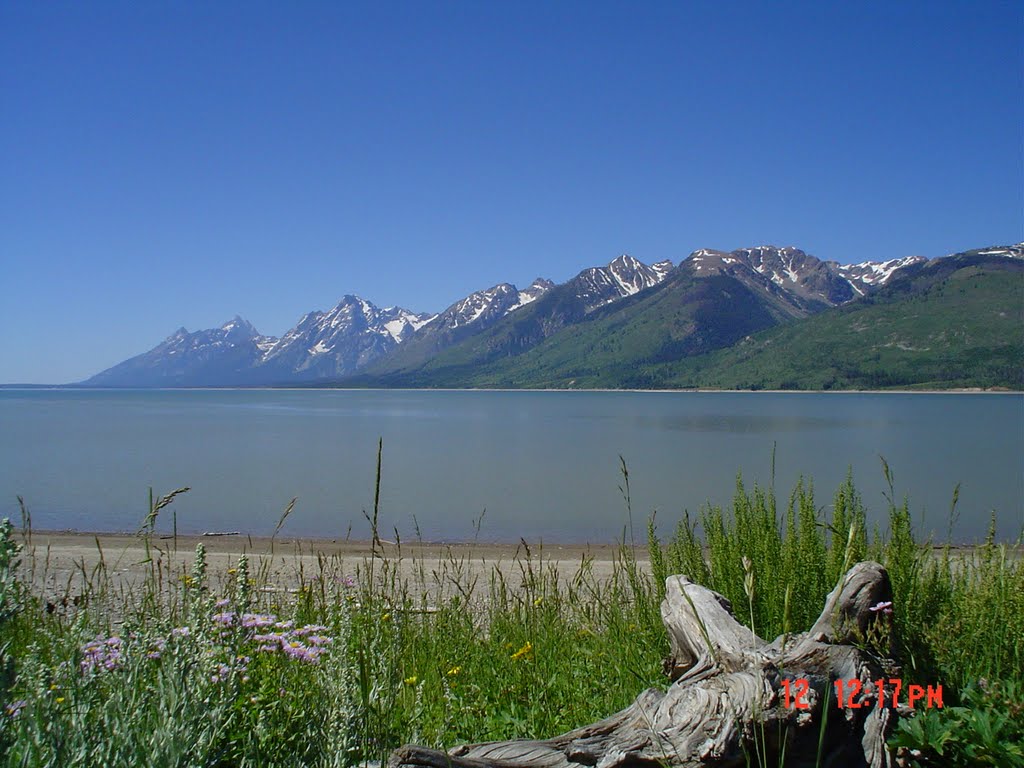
169,164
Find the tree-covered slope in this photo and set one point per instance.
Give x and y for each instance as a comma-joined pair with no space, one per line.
951,322
956,322
555,342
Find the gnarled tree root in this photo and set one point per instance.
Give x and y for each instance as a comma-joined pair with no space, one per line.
727,700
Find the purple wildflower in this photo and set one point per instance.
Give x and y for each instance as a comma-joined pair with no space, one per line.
101,653
272,637
181,632
308,629
221,674
883,607
227,617
15,707
222,603
258,620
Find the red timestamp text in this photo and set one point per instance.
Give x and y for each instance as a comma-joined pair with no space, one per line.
854,694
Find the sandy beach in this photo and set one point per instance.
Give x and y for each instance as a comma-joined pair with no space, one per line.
62,563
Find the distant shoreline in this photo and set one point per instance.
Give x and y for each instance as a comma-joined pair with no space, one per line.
236,542
954,391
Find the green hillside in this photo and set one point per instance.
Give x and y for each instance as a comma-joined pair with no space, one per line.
682,316
950,323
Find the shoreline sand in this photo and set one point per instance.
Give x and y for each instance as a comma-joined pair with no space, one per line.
61,563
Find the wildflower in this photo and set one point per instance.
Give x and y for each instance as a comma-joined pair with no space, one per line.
297,650
222,603
15,707
227,617
312,655
523,652
271,637
454,671
883,607
309,628
411,680
101,653
386,617
220,674
181,632
60,699
284,624
319,640
348,582
258,620
537,602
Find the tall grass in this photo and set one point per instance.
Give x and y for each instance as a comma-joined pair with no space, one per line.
341,663
436,652
959,613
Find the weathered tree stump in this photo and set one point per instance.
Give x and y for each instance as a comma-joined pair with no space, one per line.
727,700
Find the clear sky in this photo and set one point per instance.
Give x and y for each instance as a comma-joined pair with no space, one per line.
166,164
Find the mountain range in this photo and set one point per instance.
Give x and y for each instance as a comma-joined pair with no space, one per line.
624,324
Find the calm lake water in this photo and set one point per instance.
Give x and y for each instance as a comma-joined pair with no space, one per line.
542,464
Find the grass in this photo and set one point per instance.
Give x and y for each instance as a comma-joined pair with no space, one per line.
190,667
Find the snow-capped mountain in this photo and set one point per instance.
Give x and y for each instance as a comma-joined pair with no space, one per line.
484,307
1009,251
623,276
322,345
467,317
537,288
806,281
874,273
223,356
356,336
340,341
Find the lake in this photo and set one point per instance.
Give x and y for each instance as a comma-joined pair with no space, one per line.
538,465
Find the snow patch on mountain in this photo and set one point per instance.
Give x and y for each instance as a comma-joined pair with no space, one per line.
876,272
623,276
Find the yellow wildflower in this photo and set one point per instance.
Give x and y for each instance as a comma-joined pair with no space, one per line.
537,602
523,652
454,671
60,699
411,680
386,617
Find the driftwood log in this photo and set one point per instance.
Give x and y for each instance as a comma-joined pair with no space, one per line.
727,705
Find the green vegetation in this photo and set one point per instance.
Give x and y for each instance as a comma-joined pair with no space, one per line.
963,329
191,667
958,322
